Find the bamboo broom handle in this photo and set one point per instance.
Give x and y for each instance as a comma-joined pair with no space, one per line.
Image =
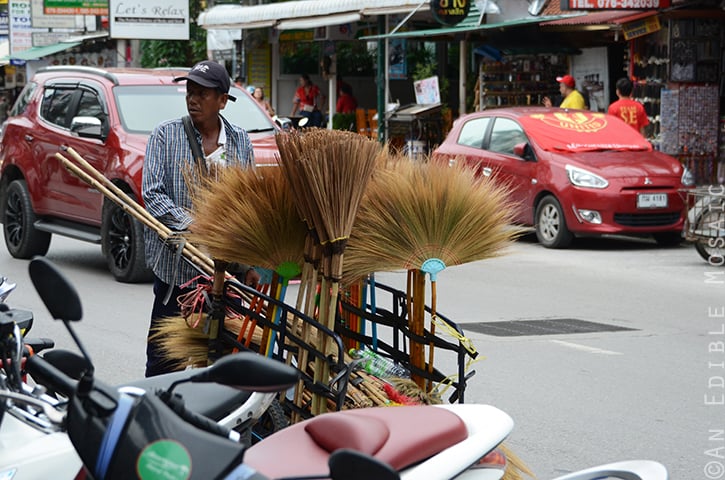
203,260
94,173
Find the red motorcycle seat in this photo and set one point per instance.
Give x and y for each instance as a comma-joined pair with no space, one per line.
398,436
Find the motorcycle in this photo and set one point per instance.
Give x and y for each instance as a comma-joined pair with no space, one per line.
250,415
128,432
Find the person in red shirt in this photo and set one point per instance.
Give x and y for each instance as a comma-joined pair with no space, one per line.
628,109
346,103
306,100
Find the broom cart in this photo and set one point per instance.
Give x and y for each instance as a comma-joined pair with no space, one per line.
705,222
339,208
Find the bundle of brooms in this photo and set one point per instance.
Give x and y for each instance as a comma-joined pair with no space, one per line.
328,171
244,216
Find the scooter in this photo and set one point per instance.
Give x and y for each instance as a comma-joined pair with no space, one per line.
132,433
250,415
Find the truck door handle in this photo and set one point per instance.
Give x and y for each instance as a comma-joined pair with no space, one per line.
29,138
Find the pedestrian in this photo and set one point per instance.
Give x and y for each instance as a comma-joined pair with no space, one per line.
572,98
263,102
628,109
346,102
307,100
170,156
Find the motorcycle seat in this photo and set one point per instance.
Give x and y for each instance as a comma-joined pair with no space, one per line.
384,433
212,400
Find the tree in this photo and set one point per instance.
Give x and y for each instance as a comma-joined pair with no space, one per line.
177,53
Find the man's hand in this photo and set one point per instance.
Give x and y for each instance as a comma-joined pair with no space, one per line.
546,101
252,277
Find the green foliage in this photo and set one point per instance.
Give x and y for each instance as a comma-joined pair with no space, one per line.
354,59
343,121
177,53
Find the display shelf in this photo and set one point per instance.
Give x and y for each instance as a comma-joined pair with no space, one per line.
519,80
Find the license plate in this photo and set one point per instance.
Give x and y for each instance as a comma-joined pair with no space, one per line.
651,200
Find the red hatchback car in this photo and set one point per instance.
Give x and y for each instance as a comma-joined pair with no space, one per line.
106,115
573,172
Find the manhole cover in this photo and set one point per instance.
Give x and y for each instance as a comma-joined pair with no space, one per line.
549,326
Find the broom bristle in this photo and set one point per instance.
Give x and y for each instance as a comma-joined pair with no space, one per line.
330,170
248,216
413,212
182,345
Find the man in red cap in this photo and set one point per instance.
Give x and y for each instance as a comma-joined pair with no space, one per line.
572,98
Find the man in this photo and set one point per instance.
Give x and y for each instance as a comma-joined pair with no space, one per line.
572,98
628,109
169,158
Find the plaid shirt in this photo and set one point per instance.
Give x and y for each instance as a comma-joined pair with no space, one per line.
166,195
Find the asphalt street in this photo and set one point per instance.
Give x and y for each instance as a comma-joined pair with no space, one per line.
653,389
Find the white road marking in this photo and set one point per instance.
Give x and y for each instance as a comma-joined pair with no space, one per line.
584,348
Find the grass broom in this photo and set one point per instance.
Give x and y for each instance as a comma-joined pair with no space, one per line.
417,213
334,168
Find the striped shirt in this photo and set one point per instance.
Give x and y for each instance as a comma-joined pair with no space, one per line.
166,196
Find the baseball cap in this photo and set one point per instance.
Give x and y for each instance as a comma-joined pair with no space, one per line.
211,75
567,80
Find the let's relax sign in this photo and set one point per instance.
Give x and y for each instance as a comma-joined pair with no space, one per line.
149,19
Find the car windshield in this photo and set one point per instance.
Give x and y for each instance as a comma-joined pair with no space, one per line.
582,131
143,107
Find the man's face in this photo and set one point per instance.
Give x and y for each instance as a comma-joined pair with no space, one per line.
563,89
203,103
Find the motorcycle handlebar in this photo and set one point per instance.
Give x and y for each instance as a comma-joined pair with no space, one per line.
46,374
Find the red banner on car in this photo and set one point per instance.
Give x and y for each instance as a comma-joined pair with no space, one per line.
582,131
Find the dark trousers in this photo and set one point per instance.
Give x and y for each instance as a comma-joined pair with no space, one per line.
155,363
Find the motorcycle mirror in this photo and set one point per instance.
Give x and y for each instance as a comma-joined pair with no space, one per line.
353,465
62,301
57,293
249,371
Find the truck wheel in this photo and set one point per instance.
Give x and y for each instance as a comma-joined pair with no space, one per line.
123,245
21,237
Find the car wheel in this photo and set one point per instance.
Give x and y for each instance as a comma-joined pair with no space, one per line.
551,229
123,245
668,239
21,237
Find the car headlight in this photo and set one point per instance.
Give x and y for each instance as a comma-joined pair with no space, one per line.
583,178
688,179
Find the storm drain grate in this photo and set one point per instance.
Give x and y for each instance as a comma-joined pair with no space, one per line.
549,326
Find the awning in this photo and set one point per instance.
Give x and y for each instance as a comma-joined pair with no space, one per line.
35,53
317,22
608,17
466,26
311,13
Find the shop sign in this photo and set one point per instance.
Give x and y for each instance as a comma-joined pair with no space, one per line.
613,4
296,36
4,23
20,26
41,20
450,12
151,20
75,7
641,27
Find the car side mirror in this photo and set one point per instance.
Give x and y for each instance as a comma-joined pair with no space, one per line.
524,151
87,127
